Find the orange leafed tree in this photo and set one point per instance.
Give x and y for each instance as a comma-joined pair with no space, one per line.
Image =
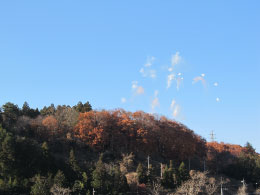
221,155
138,132
51,124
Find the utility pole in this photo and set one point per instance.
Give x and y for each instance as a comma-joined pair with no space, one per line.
212,136
94,191
243,181
161,170
221,192
189,164
148,161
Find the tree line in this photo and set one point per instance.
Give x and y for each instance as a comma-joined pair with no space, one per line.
75,149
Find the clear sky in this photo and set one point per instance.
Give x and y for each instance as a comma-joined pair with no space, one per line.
201,57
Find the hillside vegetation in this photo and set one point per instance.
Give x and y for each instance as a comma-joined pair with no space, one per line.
75,150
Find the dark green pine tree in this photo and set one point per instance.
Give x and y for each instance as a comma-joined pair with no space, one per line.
87,107
59,179
80,186
1,117
182,174
168,180
141,174
7,154
10,114
84,178
151,175
50,110
165,177
172,173
41,186
73,162
100,178
46,159
26,109
80,107
120,185
45,149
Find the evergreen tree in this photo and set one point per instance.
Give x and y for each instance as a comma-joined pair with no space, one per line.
45,149
46,161
120,185
87,107
73,162
80,186
182,174
141,174
59,179
249,149
151,175
100,178
1,117
50,110
80,107
168,180
84,178
10,114
165,178
41,186
7,154
26,109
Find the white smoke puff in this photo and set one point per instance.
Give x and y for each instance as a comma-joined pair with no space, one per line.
179,74
175,108
179,80
146,71
215,84
169,80
134,84
203,75
170,69
176,111
176,58
143,72
123,100
155,103
173,104
199,78
196,79
149,61
152,73
156,92
217,99
140,90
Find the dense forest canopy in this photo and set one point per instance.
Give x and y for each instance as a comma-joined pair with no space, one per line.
75,149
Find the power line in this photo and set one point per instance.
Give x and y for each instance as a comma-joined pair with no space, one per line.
212,136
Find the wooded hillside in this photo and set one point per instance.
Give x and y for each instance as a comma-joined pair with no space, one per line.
77,149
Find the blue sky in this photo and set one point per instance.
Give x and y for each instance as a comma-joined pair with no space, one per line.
63,52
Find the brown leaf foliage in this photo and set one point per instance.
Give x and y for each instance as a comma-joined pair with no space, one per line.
123,131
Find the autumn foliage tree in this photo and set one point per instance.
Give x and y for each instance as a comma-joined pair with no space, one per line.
51,124
138,132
